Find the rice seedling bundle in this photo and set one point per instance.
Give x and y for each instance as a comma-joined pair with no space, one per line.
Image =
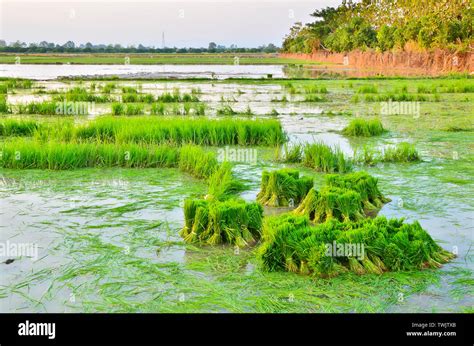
331,203
364,184
213,222
364,128
291,153
325,159
222,184
370,246
343,197
283,188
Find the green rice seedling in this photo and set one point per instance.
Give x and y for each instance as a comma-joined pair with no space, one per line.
43,108
292,153
3,89
367,89
325,159
134,109
118,108
4,107
355,99
290,88
214,222
364,128
108,87
222,183
78,94
14,127
226,110
19,83
423,89
202,131
196,91
129,90
367,156
402,152
331,203
283,99
369,246
364,184
92,87
274,112
133,98
283,188
25,153
314,98
157,108
403,97
194,160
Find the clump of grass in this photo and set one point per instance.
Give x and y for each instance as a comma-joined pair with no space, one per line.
314,89
43,108
283,188
32,153
222,183
367,89
135,97
214,222
4,107
290,244
226,110
364,128
400,97
325,159
194,160
458,129
78,94
314,98
146,129
331,203
291,153
14,127
16,83
127,109
402,152
109,87
176,96
3,89
364,184
22,154
283,99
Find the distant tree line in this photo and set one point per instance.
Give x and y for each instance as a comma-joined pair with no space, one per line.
385,25
71,47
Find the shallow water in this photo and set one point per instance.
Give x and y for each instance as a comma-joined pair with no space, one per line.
108,238
47,72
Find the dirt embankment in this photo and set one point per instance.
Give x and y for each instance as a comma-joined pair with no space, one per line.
434,63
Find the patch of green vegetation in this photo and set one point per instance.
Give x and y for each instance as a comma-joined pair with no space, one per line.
364,128
233,221
283,188
290,244
78,94
323,158
18,127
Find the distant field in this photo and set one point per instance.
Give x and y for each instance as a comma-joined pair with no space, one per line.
140,59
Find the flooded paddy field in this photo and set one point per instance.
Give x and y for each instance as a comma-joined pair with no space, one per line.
108,237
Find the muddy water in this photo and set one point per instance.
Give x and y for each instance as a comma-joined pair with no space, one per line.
106,237
47,72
